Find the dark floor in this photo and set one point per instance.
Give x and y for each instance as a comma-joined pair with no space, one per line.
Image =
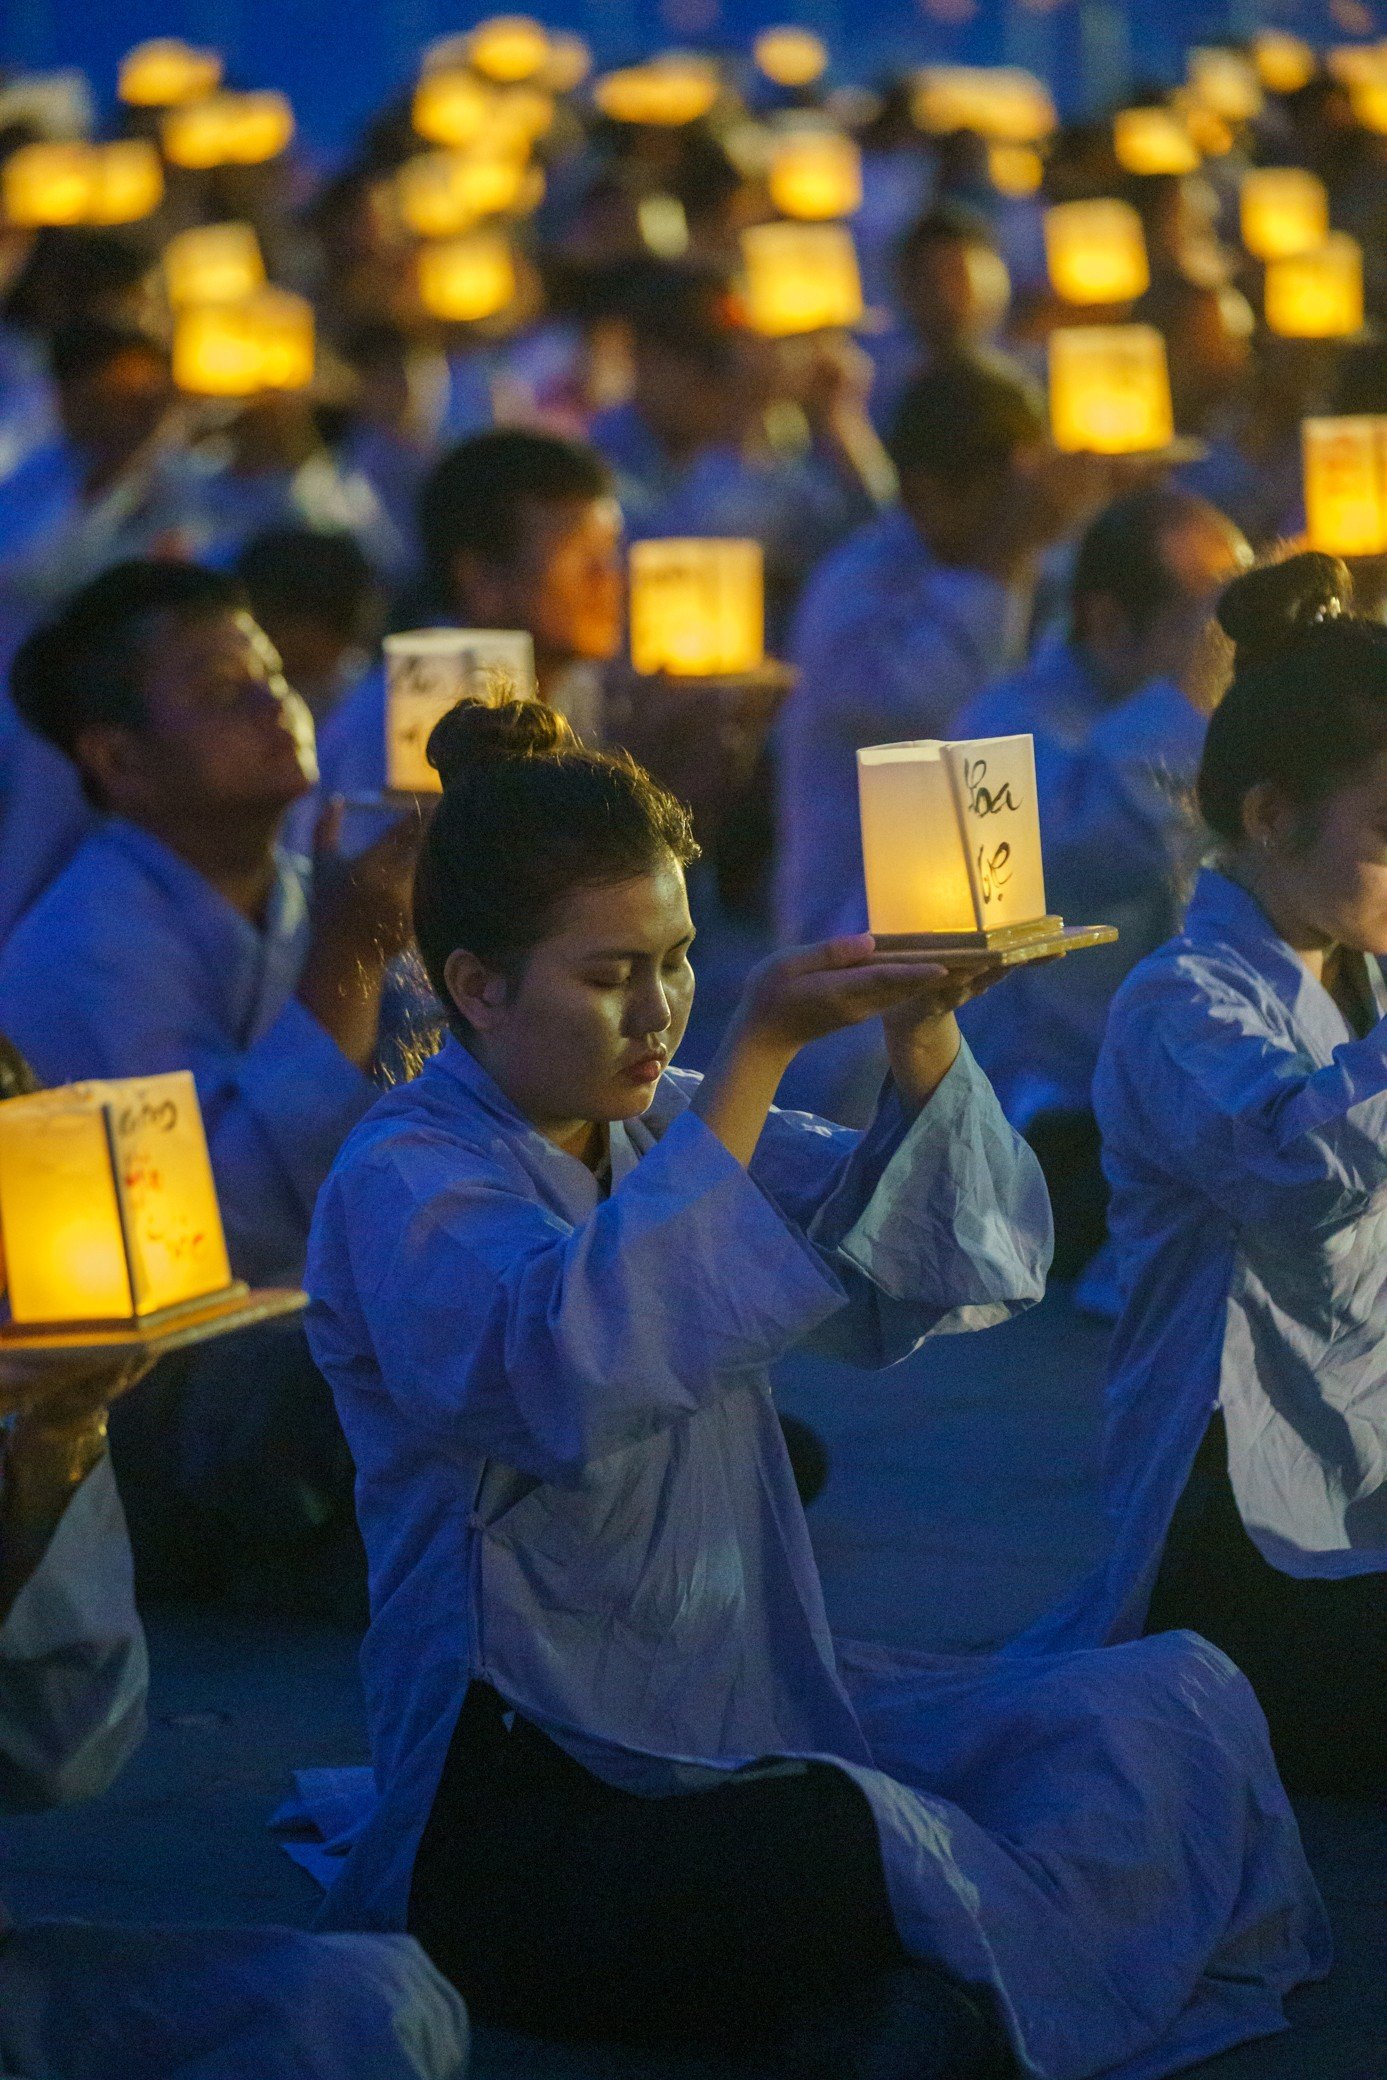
929,1461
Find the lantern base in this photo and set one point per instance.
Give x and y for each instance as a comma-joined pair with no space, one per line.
153,1335
1049,939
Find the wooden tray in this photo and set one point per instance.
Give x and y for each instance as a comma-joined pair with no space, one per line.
968,954
24,1351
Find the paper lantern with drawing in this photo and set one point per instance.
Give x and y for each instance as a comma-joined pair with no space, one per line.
815,173
165,71
107,1205
464,280
213,263
665,94
443,193
508,48
427,672
1153,141
258,343
1317,295
697,608
950,837
229,130
1285,63
450,107
1284,210
1110,390
1096,252
1345,463
791,57
801,278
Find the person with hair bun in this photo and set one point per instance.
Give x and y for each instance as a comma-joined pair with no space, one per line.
1242,1095
626,1785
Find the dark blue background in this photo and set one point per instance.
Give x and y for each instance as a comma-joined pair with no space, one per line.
339,58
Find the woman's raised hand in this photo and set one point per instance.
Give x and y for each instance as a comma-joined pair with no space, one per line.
800,996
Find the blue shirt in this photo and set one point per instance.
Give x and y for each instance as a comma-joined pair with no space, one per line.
132,964
1245,1139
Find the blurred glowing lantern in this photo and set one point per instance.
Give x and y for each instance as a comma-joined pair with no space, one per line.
1096,252
1369,101
1317,295
48,184
213,263
1346,485
1109,390
107,1203
166,71
568,64
519,117
1284,210
127,182
261,342
1000,102
1227,83
666,93
442,193
427,672
450,107
951,839
1153,141
1015,169
801,278
791,57
1356,63
815,172
697,608
229,130
1285,63
508,48
463,280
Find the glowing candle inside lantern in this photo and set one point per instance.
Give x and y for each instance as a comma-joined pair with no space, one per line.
791,57
464,280
165,71
427,672
508,48
1096,252
815,173
801,278
1109,390
697,607
666,94
1346,485
107,1204
450,107
213,263
1284,211
1319,294
1153,141
950,837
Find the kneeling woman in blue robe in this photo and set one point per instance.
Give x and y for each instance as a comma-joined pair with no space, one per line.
628,1785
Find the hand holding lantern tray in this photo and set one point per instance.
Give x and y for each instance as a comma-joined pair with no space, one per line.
952,859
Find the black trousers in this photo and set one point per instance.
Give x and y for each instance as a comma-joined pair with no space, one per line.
1314,1651
563,1907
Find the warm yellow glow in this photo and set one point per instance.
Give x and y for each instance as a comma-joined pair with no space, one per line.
801,278
107,1203
1357,64
697,607
815,173
427,672
165,71
443,193
127,182
48,184
1153,141
1015,169
261,342
229,130
213,263
1317,295
1096,252
450,107
1227,83
1346,485
1285,63
463,280
1369,100
999,102
791,57
950,836
519,117
1109,390
1284,211
568,64
667,93
508,48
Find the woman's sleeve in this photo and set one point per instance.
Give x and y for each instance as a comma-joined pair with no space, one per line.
499,1326
933,1224
1222,1100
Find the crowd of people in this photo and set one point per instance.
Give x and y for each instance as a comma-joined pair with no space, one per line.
626,1783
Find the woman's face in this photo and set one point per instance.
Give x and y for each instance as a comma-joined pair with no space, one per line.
1336,876
599,1008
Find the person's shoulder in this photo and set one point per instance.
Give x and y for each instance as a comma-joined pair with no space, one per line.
86,901
843,598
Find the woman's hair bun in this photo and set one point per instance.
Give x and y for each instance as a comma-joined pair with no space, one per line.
1269,610
476,734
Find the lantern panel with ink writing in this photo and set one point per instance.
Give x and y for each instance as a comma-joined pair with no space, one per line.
427,672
